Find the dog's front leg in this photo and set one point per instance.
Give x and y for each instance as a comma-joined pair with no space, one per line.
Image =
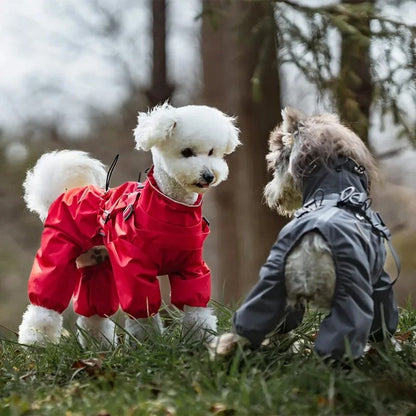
199,324
101,329
143,328
40,326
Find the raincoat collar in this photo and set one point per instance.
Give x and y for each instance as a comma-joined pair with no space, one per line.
161,207
153,184
333,177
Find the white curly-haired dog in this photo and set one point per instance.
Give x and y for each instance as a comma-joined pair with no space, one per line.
332,252
104,248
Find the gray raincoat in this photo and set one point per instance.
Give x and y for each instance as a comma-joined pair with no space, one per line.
363,306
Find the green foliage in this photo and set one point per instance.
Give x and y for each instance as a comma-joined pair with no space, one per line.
393,52
169,376
377,47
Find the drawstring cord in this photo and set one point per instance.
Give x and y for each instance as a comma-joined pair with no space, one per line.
146,171
110,172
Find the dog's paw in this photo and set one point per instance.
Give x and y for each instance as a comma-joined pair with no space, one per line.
225,344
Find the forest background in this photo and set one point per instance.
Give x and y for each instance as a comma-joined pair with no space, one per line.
75,76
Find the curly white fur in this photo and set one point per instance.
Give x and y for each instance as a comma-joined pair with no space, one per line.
191,124
39,326
205,131
101,329
55,173
199,323
143,328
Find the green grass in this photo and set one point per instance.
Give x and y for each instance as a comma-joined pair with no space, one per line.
168,376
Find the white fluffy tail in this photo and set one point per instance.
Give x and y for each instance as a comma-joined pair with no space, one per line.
57,172
40,326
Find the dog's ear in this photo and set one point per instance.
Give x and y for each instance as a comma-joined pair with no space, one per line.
233,136
292,119
154,127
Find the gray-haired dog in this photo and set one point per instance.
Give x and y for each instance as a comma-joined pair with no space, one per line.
331,254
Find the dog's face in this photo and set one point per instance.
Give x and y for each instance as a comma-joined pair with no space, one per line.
188,143
281,192
298,145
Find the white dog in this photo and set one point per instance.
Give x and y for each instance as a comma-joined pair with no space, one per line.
104,248
331,254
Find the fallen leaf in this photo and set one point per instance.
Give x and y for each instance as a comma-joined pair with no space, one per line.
403,337
91,366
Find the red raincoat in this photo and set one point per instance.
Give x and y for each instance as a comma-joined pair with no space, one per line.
146,234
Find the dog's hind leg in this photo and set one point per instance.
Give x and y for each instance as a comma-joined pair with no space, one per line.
95,299
40,326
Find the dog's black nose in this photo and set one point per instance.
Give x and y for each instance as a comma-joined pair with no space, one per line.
208,177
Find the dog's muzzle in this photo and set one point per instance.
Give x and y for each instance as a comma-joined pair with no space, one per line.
206,179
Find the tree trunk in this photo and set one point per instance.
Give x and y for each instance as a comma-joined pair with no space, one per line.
355,91
160,89
241,77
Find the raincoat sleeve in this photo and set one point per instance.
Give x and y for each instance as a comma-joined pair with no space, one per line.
191,286
135,275
265,307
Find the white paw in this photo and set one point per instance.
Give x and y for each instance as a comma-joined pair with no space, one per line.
101,329
40,326
225,344
199,324
143,328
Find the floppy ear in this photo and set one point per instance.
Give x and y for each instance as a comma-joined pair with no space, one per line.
233,133
154,127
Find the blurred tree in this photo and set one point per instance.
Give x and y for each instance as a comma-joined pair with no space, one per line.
354,87
378,56
239,43
241,77
160,89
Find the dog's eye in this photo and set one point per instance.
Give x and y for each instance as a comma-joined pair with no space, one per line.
211,152
188,152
